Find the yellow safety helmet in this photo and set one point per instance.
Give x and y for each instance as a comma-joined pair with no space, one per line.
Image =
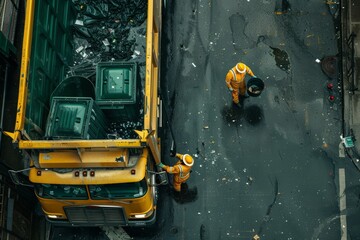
188,160
241,68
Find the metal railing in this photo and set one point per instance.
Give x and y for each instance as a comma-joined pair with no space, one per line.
350,41
347,78
352,152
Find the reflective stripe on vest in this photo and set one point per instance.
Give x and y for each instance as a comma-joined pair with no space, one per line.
181,172
234,74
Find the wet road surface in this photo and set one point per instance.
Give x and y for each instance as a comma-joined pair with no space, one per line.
271,167
268,167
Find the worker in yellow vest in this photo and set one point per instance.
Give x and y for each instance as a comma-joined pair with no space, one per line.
235,81
181,170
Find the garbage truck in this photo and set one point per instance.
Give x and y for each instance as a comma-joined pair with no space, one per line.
89,113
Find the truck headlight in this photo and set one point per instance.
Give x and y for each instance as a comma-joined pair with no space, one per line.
145,215
54,216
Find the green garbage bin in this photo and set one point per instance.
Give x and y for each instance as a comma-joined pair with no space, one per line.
117,90
75,118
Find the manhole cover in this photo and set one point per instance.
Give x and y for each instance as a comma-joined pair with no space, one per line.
329,66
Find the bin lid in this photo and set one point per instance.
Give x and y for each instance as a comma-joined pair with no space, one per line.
69,117
74,86
116,83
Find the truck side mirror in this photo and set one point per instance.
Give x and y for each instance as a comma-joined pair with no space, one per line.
18,178
158,178
161,178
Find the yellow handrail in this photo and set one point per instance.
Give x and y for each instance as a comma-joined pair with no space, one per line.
24,70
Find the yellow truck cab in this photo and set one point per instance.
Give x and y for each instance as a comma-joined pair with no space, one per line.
90,142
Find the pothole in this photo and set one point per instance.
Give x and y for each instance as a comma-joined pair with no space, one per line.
281,59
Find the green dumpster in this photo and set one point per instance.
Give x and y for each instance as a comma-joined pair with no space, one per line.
75,118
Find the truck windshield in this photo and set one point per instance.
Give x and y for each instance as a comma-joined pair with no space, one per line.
117,191
55,191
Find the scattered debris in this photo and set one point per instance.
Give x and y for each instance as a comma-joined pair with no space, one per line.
256,237
79,22
101,32
106,42
249,181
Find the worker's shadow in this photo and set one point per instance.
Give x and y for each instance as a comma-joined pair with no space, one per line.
253,114
186,195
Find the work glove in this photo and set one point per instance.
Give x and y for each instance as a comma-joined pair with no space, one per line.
160,165
231,89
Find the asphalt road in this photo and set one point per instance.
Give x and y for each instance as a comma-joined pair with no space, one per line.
271,167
